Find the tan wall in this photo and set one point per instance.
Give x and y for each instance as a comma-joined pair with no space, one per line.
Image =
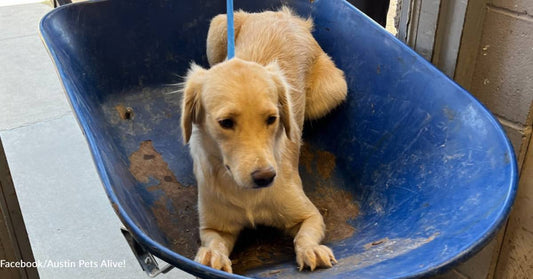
496,65
500,74
516,256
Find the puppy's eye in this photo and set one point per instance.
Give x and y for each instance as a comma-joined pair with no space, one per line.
271,120
226,123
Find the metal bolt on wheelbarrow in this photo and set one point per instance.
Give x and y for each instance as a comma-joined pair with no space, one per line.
146,259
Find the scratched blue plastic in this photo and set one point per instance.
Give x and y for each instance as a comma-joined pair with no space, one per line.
430,168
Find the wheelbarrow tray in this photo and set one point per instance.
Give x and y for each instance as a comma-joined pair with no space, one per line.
428,168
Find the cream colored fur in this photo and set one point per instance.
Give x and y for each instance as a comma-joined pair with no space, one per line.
280,76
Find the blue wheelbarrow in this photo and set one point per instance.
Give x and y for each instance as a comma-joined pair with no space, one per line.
412,174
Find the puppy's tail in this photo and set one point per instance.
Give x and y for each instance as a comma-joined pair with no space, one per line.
307,23
325,87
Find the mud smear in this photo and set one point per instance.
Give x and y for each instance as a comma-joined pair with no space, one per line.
374,253
336,205
176,210
323,160
382,250
325,163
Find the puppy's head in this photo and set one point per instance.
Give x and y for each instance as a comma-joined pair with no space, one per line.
244,108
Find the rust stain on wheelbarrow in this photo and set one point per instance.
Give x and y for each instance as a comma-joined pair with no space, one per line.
176,211
125,113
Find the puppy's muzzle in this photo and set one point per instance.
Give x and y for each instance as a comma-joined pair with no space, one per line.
263,177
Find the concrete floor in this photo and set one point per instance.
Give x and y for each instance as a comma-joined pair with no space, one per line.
67,214
65,209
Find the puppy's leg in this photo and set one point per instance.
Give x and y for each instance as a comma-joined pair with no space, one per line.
325,87
217,39
307,246
215,250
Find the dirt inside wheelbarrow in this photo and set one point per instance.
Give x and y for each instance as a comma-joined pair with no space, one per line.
176,213
175,210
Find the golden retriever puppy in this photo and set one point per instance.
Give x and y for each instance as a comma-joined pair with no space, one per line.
243,120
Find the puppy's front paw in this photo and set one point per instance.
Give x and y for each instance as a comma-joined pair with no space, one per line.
314,256
214,259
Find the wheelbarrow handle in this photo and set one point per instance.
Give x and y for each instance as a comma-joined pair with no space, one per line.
146,259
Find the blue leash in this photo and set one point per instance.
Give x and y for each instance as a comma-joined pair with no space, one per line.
231,29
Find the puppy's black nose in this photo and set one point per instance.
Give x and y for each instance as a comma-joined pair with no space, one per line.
263,177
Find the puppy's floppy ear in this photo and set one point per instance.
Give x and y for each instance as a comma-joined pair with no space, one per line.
190,105
284,100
